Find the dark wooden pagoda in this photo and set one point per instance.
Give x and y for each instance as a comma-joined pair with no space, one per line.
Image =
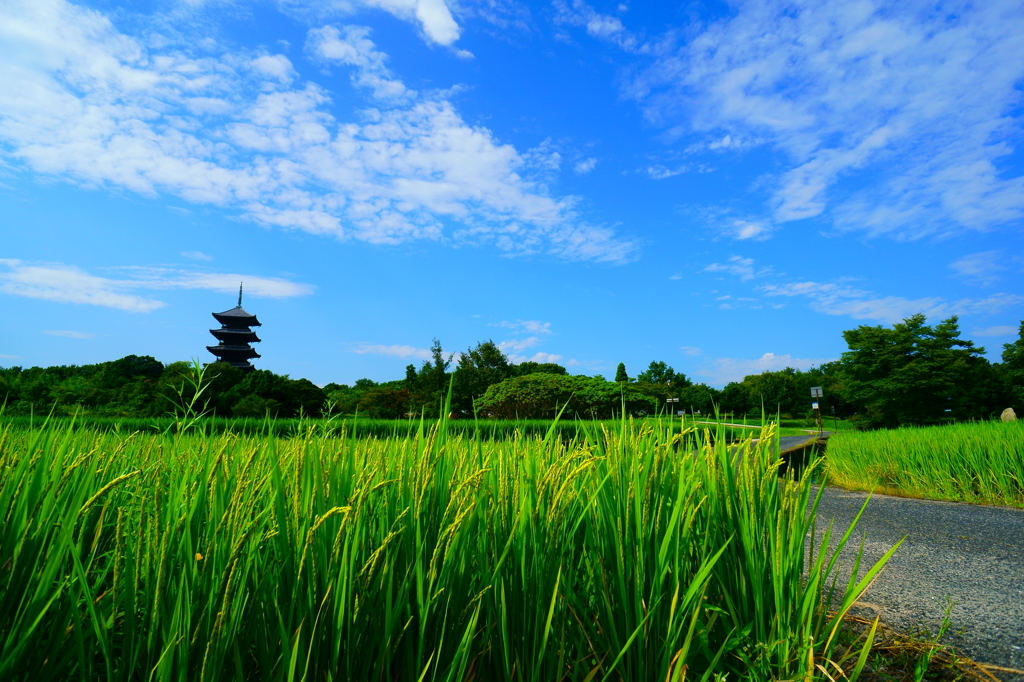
235,336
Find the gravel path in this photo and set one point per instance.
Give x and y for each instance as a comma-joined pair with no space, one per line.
973,554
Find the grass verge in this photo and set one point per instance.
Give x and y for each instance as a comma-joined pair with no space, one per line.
977,462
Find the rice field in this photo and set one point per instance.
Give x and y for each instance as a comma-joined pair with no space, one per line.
363,427
980,462
627,553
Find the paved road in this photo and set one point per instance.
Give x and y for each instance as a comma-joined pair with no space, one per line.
971,553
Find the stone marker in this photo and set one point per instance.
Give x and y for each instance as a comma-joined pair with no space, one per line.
1009,415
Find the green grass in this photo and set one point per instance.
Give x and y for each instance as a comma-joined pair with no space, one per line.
619,555
363,427
980,462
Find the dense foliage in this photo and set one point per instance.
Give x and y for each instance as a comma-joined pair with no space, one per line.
914,373
910,373
137,386
544,395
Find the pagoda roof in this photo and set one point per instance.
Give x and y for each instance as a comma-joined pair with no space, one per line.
237,315
241,335
238,352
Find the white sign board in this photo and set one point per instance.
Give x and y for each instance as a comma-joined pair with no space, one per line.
816,392
814,406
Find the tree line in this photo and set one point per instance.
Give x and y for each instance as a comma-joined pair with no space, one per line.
909,373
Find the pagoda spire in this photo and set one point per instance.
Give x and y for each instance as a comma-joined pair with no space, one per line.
235,336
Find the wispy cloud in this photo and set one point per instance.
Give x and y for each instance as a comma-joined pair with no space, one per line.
169,278
839,299
980,269
70,334
433,17
602,26
690,350
197,255
660,172
585,166
396,351
68,284
529,326
538,357
916,105
725,370
740,267
1000,330
85,103
515,345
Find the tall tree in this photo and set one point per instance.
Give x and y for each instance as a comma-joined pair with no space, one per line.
1013,366
911,373
432,382
478,369
620,373
774,391
659,372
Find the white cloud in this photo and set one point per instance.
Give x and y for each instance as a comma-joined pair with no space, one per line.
10,357
538,357
725,370
659,172
83,103
837,299
394,351
979,268
740,267
916,106
277,66
197,255
601,26
69,284
690,350
434,17
168,278
70,334
515,345
585,166
1001,330
742,229
352,46
529,326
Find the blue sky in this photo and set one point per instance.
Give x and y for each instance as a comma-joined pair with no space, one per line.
722,186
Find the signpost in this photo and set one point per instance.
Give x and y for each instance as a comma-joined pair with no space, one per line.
816,392
670,403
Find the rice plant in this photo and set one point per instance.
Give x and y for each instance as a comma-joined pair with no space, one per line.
631,553
980,462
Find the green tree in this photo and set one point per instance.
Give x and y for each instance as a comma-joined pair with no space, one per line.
911,373
385,403
536,396
659,372
775,391
1013,370
736,398
531,367
478,368
620,373
699,398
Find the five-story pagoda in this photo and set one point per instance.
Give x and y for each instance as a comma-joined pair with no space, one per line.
235,336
